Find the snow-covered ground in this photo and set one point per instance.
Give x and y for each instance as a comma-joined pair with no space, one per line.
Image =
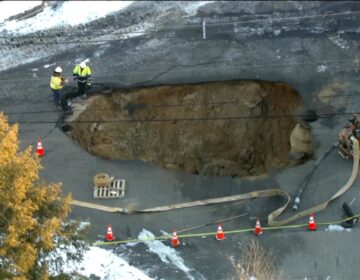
70,13
166,254
109,266
192,9
62,16
11,8
104,264
112,266
336,228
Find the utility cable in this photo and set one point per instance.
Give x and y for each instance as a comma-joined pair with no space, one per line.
213,233
128,33
98,41
211,223
205,66
320,115
272,20
143,106
56,124
87,42
184,27
307,179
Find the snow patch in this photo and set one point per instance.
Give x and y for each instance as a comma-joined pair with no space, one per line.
12,8
102,263
191,10
167,254
326,278
339,42
333,228
49,65
321,68
64,15
163,232
83,225
81,59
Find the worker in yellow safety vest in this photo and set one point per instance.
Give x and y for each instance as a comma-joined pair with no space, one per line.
82,73
56,84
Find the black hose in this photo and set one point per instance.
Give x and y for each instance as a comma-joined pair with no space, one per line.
350,213
309,175
212,223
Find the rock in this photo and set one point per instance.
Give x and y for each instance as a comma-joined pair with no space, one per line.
92,127
100,127
300,141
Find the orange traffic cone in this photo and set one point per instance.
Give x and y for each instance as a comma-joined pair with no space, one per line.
174,242
109,234
312,224
40,150
220,235
258,230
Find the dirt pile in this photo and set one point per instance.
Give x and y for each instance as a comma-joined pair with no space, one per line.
221,128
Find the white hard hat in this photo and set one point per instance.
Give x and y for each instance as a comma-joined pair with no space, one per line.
58,69
83,64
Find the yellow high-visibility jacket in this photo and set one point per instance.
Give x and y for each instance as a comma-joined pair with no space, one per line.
56,82
82,73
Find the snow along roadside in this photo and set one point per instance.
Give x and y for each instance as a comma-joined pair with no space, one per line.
12,8
63,15
102,263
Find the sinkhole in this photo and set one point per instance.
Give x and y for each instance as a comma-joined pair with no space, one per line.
232,128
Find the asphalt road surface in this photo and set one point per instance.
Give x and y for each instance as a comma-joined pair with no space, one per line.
315,55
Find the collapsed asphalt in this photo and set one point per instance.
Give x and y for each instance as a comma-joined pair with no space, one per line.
308,59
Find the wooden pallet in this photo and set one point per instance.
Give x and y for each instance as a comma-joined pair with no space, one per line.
116,190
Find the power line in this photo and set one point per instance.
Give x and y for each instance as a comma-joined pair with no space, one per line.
286,18
98,41
143,106
100,32
183,27
173,28
320,115
131,73
30,42
160,106
206,66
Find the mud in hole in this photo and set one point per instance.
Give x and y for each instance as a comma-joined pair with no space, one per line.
218,128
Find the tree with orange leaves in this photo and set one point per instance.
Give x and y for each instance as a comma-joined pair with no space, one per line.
32,214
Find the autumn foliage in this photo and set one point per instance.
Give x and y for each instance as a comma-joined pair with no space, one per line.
32,214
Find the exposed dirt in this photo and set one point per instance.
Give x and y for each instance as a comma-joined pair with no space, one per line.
220,128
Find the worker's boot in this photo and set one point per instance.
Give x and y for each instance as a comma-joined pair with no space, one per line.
66,106
352,219
70,105
68,111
